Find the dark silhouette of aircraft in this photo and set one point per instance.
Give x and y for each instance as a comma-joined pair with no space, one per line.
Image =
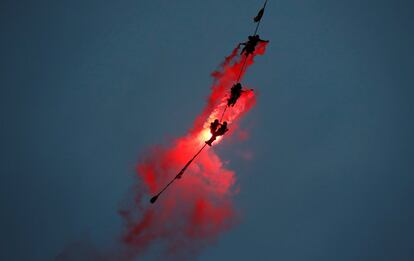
220,132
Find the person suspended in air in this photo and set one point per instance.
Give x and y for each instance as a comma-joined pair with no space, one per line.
250,45
214,125
219,132
235,94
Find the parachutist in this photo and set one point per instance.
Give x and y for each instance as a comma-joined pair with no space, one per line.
220,132
250,45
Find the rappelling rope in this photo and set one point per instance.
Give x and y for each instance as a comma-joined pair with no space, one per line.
258,23
244,62
224,111
178,176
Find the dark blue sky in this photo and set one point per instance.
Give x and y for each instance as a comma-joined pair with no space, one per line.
86,86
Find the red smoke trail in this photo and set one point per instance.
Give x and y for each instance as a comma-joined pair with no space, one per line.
197,208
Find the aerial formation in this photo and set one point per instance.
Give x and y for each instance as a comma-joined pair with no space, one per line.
218,127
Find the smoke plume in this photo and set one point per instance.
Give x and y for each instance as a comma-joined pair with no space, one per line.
193,212
196,209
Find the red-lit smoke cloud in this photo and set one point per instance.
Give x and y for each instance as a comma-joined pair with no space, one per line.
196,209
